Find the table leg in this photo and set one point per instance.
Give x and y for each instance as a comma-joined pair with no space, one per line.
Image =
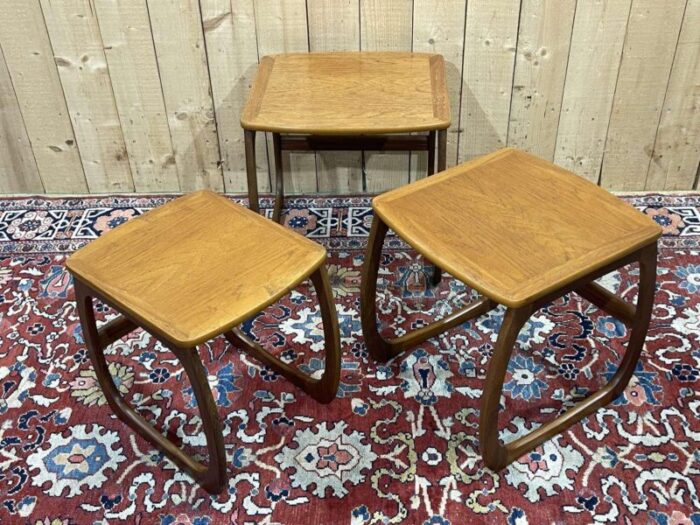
324,388
251,169
279,178
431,153
442,150
442,166
496,455
383,349
211,477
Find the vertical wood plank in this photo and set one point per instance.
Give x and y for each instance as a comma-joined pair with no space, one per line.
82,67
650,43
232,54
489,57
18,171
30,62
540,69
128,45
282,28
438,27
386,25
334,25
179,44
594,61
677,146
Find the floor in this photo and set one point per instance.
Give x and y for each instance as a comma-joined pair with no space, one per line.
398,445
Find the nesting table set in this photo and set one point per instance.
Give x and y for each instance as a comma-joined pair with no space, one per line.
519,230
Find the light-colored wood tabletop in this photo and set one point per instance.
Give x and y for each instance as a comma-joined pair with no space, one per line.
513,226
196,266
348,93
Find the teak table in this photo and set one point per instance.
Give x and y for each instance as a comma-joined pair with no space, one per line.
189,271
522,232
348,102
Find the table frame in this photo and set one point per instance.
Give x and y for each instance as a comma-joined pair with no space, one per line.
212,477
312,143
496,455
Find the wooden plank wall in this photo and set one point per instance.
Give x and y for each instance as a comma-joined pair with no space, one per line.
102,96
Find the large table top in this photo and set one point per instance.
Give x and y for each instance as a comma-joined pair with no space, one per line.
348,94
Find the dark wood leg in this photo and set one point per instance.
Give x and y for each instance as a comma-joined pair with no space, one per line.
441,150
324,389
497,456
431,153
212,477
279,178
384,349
442,166
251,170
604,300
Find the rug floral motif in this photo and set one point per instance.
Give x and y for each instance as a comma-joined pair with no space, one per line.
399,445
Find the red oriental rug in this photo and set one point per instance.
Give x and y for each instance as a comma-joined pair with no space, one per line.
394,447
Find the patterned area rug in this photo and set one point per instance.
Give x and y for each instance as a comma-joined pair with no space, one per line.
399,445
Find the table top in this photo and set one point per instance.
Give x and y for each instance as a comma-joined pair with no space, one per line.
513,226
196,267
348,93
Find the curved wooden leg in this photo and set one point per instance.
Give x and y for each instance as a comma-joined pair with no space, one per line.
494,454
497,456
384,349
251,170
324,389
279,178
378,348
212,477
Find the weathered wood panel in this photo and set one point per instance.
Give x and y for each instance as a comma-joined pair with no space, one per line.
128,46
146,95
334,25
540,69
439,28
385,25
489,57
282,28
179,43
594,61
82,67
677,147
232,53
647,57
27,49
18,172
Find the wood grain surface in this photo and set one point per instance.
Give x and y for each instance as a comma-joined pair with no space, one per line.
647,57
79,54
349,93
196,267
594,61
128,47
513,226
18,172
531,74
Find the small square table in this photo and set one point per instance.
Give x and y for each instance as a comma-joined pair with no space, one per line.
348,101
187,272
522,232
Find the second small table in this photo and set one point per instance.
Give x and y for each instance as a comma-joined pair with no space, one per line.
346,102
523,232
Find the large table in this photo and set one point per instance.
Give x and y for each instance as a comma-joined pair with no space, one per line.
348,102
